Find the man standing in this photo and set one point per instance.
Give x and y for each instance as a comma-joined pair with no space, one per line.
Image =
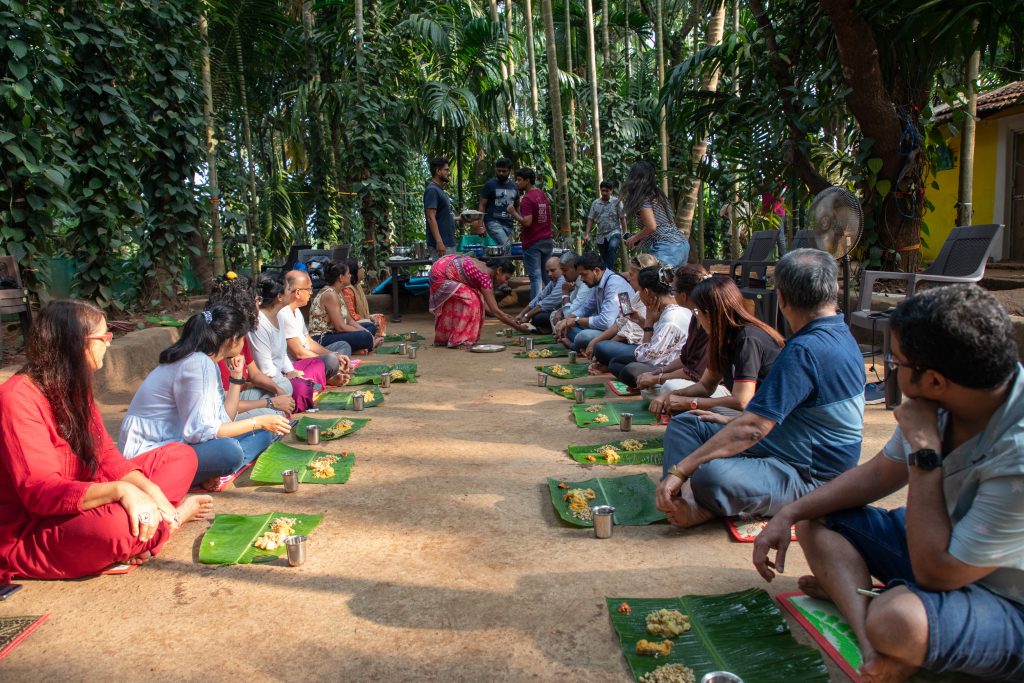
602,305
534,214
953,558
297,290
538,311
803,426
499,193
606,212
438,209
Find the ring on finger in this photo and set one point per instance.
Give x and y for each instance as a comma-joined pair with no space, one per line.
145,518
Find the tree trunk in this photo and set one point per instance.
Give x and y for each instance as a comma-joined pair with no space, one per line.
243,98
531,55
211,150
659,39
555,96
594,102
684,219
606,41
510,112
964,205
573,153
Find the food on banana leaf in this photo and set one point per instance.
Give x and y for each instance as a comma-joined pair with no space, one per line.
321,467
559,371
541,353
667,623
594,409
624,608
367,395
670,673
591,458
610,454
579,503
340,428
396,374
654,648
601,418
562,485
632,445
280,529
568,390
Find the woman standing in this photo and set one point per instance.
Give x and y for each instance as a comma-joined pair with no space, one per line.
183,400
741,351
460,287
70,504
329,319
644,202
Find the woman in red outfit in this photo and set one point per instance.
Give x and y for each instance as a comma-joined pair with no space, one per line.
70,504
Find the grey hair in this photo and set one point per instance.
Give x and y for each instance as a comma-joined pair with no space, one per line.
808,279
567,259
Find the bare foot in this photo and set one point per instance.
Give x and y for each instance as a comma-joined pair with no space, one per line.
688,514
811,588
195,508
879,668
141,558
597,369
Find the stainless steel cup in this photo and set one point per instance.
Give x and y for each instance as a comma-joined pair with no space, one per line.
509,332
412,351
721,677
603,521
414,336
385,380
542,379
529,344
625,422
296,546
521,341
358,401
403,349
572,358
581,395
313,435
291,481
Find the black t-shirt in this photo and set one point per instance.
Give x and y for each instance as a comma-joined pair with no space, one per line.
436,198
499,197
694,354
751,357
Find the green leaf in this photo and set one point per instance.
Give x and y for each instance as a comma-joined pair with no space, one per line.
641,416
55,176
883,186
325,425
278,457
652,453
631,496
874,165
342,400
229,540
18,69
568,390
18,48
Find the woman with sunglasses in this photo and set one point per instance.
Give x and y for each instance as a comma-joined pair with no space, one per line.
70,504
741,351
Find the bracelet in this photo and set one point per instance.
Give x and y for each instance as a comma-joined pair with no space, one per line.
674,472
240,381
270,402
648,329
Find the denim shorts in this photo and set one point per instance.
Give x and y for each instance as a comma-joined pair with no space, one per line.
971,630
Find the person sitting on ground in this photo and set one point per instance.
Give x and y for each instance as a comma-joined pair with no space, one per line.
261,395
741,351
602,306
270,351
664,329
803,426
688,368
298,288
574,293
628,328
538,311
70,504
952,559
357,304
182,400
461,287
329,319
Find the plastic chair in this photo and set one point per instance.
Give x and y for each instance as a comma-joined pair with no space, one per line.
804,239
13,296
963,258
750,269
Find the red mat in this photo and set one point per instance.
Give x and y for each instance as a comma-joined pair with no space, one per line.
824,643
13,630
746,530
118,568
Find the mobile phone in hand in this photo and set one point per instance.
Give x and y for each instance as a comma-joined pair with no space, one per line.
624,304
9,590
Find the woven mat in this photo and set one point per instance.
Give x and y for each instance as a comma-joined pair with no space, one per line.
13,630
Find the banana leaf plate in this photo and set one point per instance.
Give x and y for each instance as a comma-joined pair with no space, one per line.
557,351
278,457
165,321
230,538
652,453
369,373
631,496
567,371
641,416
326,424
386,349
342,400
743,632
569,390
403,337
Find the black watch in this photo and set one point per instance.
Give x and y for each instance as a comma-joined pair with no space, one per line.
240,381
926,459
270,402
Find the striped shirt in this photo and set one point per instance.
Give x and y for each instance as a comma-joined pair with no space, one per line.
666,230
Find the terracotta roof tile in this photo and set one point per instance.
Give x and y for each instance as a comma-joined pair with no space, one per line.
989,103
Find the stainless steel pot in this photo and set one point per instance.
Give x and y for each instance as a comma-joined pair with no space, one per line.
494,250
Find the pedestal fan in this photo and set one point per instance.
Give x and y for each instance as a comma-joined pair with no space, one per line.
837,221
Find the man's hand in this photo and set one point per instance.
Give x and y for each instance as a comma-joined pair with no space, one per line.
441,249
919,421
668,488
710,416
775,536
589,351
646,380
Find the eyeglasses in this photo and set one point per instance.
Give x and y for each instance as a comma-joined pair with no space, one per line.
893,363
108,337
303,289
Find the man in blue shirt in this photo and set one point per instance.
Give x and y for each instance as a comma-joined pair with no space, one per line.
802,428
438,209
499,193
602,306
538,311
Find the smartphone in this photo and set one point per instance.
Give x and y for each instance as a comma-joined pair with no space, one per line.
9,590
624,304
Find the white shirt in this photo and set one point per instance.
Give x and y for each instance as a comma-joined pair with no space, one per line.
269,349
293,325
181,401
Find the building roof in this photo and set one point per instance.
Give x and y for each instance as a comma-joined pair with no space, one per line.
989,103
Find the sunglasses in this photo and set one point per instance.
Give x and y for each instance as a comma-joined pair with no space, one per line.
108,337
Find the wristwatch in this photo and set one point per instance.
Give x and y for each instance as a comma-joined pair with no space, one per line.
693,405
925,459
270,402
674,472
240,381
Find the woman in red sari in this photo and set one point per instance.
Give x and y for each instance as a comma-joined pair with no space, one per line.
460,287
70,504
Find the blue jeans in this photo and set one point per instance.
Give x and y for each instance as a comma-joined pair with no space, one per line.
671,253
610,250
970,630
369,327
357,341
580,338
227,455
608,350
534,259
499,232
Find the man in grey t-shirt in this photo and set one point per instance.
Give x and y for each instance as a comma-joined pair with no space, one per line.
606,213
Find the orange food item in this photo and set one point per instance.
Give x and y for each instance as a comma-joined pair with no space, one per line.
624,608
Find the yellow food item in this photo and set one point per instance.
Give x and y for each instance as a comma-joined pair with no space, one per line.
540,353
579,503
594,408
667,623
321,467
283,524
601,418
280,529
397,374
367,395
670,673
610,454
568,390
654,648
340,428
632,445
559,371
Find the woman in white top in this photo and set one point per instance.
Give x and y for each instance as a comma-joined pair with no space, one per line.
182,400
270,351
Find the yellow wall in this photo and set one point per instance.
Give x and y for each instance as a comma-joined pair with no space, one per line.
943,218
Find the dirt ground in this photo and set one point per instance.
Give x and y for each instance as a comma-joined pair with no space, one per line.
441,560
